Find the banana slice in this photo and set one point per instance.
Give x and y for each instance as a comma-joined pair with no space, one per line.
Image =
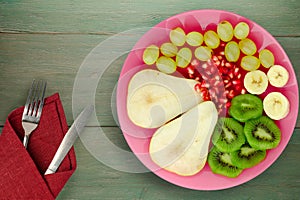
278,76
276,105
256,82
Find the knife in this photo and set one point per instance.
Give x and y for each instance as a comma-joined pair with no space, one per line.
69,139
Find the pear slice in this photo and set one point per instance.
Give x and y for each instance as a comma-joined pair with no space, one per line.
155,98
181,146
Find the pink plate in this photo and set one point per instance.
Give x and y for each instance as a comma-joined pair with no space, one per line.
138,138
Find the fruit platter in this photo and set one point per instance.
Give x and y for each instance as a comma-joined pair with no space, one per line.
207,100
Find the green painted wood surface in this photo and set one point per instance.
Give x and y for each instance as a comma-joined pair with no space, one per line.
57,59
50,39
280,17
280,181
94,180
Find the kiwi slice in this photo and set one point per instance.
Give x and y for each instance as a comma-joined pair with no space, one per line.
228,135
262,133
220,163
246,106
247,156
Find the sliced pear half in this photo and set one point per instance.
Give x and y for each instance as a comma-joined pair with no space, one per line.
154,98
181,146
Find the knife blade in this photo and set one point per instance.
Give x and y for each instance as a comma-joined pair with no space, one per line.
69,139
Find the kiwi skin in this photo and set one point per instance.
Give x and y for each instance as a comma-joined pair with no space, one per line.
262,133
228,135
246,106
247,156
220,163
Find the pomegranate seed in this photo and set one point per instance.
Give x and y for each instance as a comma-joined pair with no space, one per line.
204,93
204,66
191,76
239,76
228,65
220,57
212,93
205,85
197,87
220,106
206,98
223,63
222,53
217,78
223,100
195,63
217,83
215,58
228,85
238,88
205,78
217,63
228,104
209,74
209,62
190,70
231,94
226,81
236,82
226,70
243,91
236,70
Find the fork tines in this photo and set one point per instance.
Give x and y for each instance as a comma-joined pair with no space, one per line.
35,101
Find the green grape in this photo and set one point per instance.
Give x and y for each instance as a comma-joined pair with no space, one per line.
232,51
266,58
241,30
168,49
194,38
177,36
166,65
203,53
150,54
250,63
183,57
211,39
247,46
225,31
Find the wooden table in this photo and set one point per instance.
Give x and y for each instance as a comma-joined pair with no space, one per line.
50,39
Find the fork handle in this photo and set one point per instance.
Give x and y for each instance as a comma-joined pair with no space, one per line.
25,141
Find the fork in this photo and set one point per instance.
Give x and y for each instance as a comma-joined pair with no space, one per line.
33,108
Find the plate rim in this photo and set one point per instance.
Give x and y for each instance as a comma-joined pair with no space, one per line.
267,165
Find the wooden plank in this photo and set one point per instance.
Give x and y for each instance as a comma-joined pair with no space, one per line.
50,39
94,180
24,57
279,17
49,57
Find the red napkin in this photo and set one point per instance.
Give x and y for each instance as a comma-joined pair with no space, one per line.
22,171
